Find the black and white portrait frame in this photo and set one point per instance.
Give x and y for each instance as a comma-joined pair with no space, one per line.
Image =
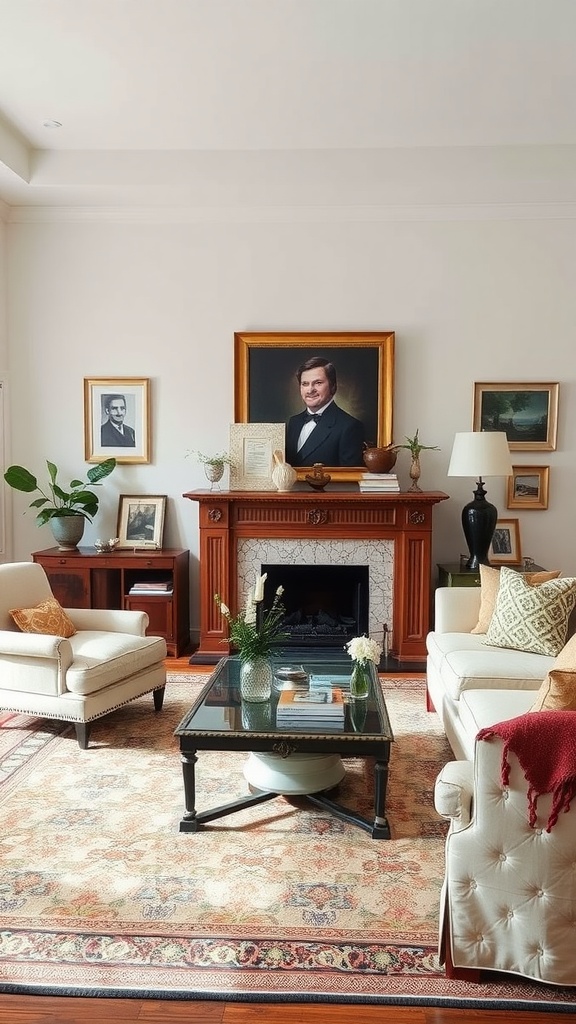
136,392
141,520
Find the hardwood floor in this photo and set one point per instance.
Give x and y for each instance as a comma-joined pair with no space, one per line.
63,1010
16,1009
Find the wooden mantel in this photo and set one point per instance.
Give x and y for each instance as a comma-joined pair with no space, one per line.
339,514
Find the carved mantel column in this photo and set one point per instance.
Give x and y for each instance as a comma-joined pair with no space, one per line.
405,518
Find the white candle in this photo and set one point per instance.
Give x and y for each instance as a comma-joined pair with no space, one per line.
259,588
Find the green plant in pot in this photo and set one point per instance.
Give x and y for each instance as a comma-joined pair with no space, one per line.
414,446
65,511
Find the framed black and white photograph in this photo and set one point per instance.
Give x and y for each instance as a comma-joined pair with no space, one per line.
505,546
141,520
353,371
528,487
117,419
527,413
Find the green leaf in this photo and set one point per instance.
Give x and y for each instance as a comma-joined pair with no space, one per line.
52,470
20,479
103,469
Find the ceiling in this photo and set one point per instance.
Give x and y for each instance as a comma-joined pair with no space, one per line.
211,102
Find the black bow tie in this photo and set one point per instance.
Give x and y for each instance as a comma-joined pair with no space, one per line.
313,417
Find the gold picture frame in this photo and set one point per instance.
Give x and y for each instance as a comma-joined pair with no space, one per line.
505,546
528,413
266,388
141,520
528,487
103,401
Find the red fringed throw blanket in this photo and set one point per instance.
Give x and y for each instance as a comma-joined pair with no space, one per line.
545,744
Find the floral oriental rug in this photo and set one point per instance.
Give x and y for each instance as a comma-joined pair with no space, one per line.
100,894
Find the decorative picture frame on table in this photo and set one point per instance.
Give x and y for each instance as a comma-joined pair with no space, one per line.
141,520
527,413
251,448
505,546
266,386
126,402
528,487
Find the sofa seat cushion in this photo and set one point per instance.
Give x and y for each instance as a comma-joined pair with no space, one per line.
101,659
480,708
464,662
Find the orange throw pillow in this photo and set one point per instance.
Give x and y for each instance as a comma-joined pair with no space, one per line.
558,690
48,617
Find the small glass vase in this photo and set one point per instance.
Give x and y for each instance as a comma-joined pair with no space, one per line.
256,680
360,681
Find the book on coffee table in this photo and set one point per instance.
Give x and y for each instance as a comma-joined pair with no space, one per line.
321,706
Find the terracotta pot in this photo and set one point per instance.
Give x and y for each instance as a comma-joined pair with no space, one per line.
380,460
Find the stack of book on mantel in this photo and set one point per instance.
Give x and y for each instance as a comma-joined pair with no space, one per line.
311,709
144,588
376,483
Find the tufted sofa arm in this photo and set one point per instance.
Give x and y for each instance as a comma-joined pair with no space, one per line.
509,896
453,793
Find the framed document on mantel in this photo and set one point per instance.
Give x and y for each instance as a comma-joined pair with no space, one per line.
252,447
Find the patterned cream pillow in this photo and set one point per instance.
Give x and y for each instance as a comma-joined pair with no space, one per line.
531,618
48,617
558,690
489,584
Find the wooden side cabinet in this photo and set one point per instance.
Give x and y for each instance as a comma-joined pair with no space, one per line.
454,576
87,579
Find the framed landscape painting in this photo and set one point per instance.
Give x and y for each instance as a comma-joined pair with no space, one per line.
528,487
527,413
266,387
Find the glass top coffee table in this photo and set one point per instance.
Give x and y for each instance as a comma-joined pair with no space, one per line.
301,759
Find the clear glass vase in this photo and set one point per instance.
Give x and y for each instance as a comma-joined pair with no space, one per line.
256,680
360,681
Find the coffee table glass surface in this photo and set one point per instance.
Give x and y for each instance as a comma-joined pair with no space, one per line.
220,720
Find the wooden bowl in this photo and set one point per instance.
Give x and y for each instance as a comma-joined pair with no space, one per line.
380,460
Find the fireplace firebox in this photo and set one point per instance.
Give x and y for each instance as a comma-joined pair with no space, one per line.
326,605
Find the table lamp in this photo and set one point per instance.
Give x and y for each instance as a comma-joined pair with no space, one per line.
480,454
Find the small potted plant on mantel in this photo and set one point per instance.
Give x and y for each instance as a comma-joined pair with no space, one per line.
414,446
213,466
65,511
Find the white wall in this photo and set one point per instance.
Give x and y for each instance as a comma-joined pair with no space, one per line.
471,297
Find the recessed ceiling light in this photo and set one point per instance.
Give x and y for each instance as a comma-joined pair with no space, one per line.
51,124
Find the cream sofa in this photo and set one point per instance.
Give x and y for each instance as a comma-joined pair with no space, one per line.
106,663
469,684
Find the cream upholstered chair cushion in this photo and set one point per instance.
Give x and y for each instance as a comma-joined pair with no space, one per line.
105,662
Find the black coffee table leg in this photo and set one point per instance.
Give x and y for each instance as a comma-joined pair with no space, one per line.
381,828
189,821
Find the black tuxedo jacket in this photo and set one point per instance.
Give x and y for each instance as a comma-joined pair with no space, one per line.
337,439
112,438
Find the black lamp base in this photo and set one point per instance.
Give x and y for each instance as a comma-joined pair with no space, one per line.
479,519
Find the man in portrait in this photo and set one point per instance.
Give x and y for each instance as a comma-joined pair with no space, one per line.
323,432
114,432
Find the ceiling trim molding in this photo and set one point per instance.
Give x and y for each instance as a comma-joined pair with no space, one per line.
290,214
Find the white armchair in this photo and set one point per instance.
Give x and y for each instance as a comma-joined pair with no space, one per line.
106,663
509,896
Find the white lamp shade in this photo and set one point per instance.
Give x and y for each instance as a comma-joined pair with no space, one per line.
480,454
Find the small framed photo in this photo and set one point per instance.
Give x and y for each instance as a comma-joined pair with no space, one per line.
528,487
117,419
527,413
505,546
252,447
141,520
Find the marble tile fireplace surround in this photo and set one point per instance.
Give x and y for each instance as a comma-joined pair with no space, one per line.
240,531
